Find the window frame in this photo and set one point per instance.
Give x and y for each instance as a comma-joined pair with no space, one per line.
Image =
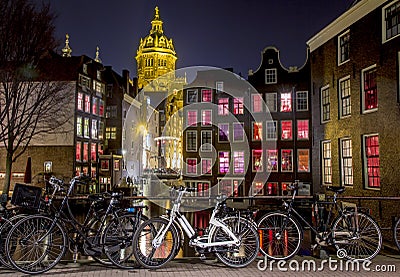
363,92
227,134
384,29
271,76
261,167
189,165
298,109
238,105
366,165
202,166
344,97
325,89
203,122
268,160
188,121
223,108
195,95
298,130
290,106
344,158
273,101
224,162
291,160
254,97
259,125
193,139
291,130
239,162
326,163
267,130
345,47
209,91
308,160
202,141
233,131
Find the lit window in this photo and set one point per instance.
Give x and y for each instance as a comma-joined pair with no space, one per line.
271,100
238,107
191,118
93,152
303,160
85,151
325,104
111,133
236,188
117,164
238,162
238,132
223,106
286,130
287,160
101,108
372,162
94,129
369,88
86,128
219,86
344,48
192,96
203,190
326,163
286,102
284,188
271,130
257,188
80,102
223,134
257,130
206,117
225,187
206,166
272,160
345,97
87,103
206,141
191,141
256,101
270,76
272,188
101,130
78,151
257,162
302,101
191,166
302,129
346,162
223,161
391,20
206,95
94,106
100,149
79,126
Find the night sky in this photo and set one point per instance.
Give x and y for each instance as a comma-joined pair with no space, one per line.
220,33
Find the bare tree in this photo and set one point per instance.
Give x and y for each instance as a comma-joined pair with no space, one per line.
31,97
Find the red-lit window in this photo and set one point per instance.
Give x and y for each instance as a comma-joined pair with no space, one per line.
286,130
257,160
238,107
206,165
101,108
287,160
223,161
223,106
94,106
206,117
302,129
272,160
372,161
236,188
85,151
238,162
203,189
206,95
284,187
370,89
93,152
191,118
258,188
78,171
303,160
257,130
272,188
80,102
286,102
78,151
256,101
191,166
87,103
225,187
100,149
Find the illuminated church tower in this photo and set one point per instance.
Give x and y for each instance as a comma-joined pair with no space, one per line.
155,55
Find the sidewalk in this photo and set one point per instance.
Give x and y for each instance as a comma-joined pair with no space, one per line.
195,267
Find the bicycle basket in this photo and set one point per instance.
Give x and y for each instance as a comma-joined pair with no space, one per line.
26,196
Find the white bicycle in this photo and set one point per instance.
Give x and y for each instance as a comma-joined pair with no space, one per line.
233,239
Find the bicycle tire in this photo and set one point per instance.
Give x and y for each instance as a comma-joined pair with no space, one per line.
246,252
360,245
396,233
118,240
40,244
145,253
278,243
4,231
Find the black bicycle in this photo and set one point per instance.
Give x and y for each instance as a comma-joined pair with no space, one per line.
354,234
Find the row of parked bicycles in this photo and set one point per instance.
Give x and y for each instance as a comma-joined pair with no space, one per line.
126,238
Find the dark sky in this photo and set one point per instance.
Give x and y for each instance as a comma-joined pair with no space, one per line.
220,33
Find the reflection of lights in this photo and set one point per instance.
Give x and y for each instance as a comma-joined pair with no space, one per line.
142,129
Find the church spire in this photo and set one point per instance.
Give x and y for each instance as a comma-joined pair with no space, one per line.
66,50
97,59
156,23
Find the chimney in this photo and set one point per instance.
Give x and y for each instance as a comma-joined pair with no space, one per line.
125,78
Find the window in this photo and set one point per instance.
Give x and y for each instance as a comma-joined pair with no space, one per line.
101,130
78,151
191,95
191,166
191,141
219,86
286,130
223,134
206,117
272,188
80,102
101,108
85,152
391,20
237,189
257,163
303,160
271,100
345,97
93,152
287,160
99,87
271,130
326,163
372,161
87,103
86,128
206,141
238,162
223,106
111,111
302,129
325,104
206,166
256,103
257,188
203,190
191,118
302,101
94,106
270,76
344,48
223,161
94,129
369,89
347,162
206,95
79,126
238,107
257,130
286,102
111,133
272,160
225,187
238,132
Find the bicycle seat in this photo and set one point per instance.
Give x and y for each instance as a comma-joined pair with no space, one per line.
336,189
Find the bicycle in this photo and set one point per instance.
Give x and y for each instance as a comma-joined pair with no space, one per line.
233,239
396,233
36,243
354,234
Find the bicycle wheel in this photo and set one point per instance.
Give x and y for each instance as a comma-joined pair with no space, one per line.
146,252
36,244
240,255
4,231
118,240
280,236
362,243
396,233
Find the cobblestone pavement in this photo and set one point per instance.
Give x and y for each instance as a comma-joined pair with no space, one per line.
382,265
